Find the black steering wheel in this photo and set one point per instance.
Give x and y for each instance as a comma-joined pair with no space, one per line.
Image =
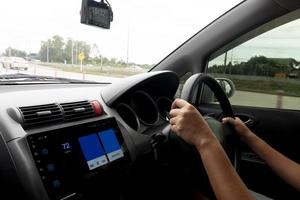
225,133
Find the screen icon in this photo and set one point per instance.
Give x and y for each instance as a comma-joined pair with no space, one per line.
92,151
111,144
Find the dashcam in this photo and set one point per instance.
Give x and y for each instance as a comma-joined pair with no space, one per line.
96,13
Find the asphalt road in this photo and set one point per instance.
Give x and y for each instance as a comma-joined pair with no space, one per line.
264,100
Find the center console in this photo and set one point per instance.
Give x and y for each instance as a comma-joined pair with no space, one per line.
69,158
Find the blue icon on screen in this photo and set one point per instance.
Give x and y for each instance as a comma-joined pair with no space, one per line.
111,145
92,151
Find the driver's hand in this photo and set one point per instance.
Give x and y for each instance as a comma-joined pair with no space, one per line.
239,126
189,124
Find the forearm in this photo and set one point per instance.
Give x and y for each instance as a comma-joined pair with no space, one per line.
287,169
224,180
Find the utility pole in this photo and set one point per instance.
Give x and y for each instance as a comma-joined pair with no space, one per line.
48,51
76,53
72,52
101,62
225,62
127,51
231,61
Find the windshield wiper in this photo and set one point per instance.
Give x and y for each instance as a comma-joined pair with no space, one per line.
19,78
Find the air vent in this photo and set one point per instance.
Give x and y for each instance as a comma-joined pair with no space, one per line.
33,116
77,110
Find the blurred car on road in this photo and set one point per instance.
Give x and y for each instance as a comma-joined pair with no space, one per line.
16,63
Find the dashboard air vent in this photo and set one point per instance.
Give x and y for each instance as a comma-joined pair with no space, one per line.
33,116
77,110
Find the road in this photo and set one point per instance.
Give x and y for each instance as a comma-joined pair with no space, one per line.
35,69
264,100
239,98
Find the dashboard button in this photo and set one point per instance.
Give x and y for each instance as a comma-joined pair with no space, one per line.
45,152
50,167
40,138
56,183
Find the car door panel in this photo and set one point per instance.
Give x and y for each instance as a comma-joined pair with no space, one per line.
279,128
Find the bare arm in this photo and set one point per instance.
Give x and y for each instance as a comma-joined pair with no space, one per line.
188,123
287,169
222,176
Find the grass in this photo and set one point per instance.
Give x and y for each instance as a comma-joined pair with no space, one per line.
268,85
93,70
243,83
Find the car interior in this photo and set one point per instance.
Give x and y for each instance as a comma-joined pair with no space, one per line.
65,140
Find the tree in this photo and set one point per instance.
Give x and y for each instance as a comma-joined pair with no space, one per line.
95,52
14,52
57,49
44,50
52,50
82,46
256,66
73,47
69,53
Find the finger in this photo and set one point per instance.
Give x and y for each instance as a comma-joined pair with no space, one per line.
179,103
174,106
174,112
173,120
228,120
175,130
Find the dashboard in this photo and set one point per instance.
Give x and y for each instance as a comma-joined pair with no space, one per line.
76,141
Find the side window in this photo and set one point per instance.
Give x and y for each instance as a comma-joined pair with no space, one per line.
181,83
265,69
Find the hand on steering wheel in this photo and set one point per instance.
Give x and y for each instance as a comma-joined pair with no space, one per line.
225,133
189,124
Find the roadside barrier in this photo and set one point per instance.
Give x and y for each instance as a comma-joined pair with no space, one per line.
279,99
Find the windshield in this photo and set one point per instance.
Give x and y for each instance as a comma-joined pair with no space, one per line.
45,37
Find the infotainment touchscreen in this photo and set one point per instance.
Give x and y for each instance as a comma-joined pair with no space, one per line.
100,148
73,154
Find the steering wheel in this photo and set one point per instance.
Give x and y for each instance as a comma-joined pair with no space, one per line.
225,133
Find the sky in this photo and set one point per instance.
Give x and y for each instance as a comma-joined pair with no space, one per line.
142,31
280,42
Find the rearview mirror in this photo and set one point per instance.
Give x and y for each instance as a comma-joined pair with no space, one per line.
96,13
